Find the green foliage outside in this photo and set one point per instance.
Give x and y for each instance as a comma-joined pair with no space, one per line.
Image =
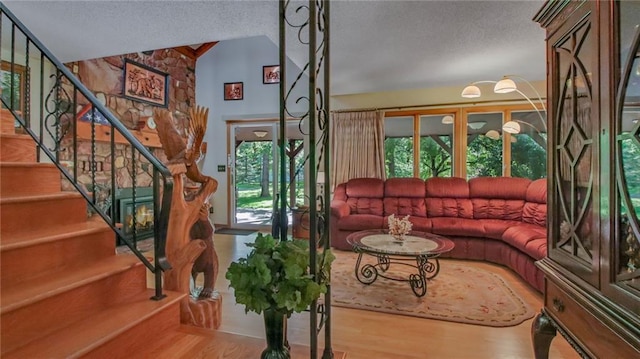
398,154
249,156
6,89
631,166
254,173
275,275
484,157
528,158
435,161
249,196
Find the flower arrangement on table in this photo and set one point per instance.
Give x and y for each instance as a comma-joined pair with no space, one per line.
399,227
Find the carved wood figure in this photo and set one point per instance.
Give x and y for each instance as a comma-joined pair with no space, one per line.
183,250
207,262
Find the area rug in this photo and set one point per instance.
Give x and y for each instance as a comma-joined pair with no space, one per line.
237,232
459,293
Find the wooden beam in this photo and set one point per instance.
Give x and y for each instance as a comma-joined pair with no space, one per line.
186,51
204,48
440,142
189,52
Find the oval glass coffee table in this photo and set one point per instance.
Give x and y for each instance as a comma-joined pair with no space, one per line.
420,247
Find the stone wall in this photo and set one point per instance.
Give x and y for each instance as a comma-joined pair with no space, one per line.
104,77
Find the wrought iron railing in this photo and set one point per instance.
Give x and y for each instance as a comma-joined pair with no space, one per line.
98,157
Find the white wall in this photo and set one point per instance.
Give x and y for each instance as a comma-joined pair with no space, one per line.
238,60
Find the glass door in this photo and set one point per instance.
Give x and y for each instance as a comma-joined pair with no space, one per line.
253,162
253,176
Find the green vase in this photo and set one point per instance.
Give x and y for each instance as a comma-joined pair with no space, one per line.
274,325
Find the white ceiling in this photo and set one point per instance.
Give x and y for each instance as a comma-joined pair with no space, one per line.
375,45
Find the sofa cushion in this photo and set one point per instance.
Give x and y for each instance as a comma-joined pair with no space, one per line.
365,188
360,222
498,197
399,206
497,209
339,209
449,226
420,224
499,187
364,195
449,207
535,207
448,197
404,187
358,205
495,228
447,187
404,196
528,238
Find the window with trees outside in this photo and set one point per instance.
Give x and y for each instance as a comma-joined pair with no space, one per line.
436,147
469,143
484,145
398,147
529,147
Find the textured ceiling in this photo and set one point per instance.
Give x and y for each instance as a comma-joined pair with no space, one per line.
375,45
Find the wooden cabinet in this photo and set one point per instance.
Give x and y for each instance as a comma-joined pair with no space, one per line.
592,271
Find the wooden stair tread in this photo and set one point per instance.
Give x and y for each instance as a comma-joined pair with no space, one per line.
82,337
15,135
43,235
58,282
4,164
8,199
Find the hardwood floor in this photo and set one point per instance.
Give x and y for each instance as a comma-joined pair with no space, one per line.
371,335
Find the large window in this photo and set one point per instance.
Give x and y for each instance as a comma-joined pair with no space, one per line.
466,142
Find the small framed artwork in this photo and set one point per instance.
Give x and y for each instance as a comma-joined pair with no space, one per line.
271,74
145,84
233,91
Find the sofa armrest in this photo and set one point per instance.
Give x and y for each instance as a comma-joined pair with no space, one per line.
339,209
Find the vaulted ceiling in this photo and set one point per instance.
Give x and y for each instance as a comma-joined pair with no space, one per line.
375,45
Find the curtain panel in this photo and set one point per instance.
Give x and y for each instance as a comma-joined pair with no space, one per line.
357,148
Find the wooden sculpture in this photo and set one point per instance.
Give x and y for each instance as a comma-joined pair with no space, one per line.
190,216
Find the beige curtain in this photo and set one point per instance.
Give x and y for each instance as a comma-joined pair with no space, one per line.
357,146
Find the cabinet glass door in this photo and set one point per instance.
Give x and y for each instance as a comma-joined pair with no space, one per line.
575,240
627,249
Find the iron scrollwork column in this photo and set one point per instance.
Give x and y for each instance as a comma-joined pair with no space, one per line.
308,23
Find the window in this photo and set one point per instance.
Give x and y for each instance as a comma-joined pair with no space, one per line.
436,147
528,148
466,142
398,146
484,145
13,87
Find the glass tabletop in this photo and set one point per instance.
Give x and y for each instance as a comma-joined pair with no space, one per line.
414,244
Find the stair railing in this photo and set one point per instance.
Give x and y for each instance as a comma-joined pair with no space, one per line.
98,158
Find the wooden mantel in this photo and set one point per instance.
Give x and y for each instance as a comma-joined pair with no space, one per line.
146,136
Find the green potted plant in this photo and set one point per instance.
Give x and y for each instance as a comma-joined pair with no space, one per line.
274,280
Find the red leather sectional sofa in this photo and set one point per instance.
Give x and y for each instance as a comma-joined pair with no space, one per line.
497,219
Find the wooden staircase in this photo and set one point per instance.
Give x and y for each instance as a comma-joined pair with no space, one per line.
63,291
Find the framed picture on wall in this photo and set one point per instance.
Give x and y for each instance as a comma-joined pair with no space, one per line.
271,74
145,84
233,91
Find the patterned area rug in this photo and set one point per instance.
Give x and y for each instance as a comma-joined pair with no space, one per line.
458,294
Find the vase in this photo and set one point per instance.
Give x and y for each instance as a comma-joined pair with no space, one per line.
274,325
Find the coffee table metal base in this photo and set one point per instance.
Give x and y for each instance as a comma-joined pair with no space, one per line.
427,267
